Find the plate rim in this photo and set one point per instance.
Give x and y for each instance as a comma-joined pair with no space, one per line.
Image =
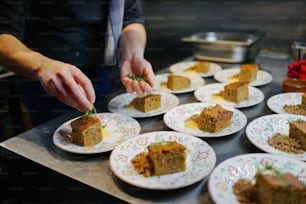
179,134
62,147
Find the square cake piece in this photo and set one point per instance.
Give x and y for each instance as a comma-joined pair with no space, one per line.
297,129
303,102
167,157
147,103
281,189
214,119
177,82
201,66
248,72
86,131
236,92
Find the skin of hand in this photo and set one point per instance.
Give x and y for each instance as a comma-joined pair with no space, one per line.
62,80
132,46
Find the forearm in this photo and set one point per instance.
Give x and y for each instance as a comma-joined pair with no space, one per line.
16,57
132,42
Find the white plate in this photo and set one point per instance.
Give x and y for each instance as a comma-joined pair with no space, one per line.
262,77
200,160
119,105
204,94
196,82
245,166
260,129
277,102
119,127
176,117
182,66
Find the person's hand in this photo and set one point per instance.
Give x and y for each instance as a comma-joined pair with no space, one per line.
138,67
68,84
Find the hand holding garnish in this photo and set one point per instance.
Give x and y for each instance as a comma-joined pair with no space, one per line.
135,78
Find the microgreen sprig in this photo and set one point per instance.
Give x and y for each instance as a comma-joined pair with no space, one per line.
135,78
91,112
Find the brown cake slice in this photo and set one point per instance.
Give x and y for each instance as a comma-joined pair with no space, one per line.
167,157
297,130
236,92
147,103
177,82
86,131
248,72
201,66
214,119
280,189
304,100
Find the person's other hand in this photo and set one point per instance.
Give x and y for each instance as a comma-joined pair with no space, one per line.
138,67
68,84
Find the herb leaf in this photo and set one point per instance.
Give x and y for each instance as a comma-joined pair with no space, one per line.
91,112
135,78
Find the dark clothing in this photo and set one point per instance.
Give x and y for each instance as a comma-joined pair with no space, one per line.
67,30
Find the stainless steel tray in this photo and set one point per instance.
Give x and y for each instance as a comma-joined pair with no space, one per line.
231,47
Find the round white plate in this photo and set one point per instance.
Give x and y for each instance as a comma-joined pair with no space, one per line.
200,160
119,105
204,94
161,80
176,117
245,166
119,127
262,77
260,129
180,67
277,102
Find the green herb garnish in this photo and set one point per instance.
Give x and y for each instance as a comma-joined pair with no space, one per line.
270,169
91,112
135,78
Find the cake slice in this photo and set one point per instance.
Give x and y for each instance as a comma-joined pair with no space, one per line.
303,102
248,72
167,157
214,119
297,130
177,82
86,131
236,92
201,66
147,103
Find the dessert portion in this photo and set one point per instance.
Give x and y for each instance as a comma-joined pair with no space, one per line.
213,119
86,131
162,158
271,186
236,92
177,82
201,66
297,130
298,109
248,72
147,103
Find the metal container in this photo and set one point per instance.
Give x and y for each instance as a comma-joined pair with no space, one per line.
230,47
299,50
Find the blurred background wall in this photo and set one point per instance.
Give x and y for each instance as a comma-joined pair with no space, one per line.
167,21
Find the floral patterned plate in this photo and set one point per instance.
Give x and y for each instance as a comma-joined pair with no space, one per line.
200,160
277,102
205,93
260,129
119,104
245,166
161,83
182,67
262,78
118,128
176,117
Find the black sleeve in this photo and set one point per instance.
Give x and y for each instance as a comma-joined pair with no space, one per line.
13,15
133,12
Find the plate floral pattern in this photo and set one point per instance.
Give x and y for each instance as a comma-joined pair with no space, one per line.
119,127
260,129
277,102
180,67
262,78
245,166
119,104
196,82
204,94
200,160
176,117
